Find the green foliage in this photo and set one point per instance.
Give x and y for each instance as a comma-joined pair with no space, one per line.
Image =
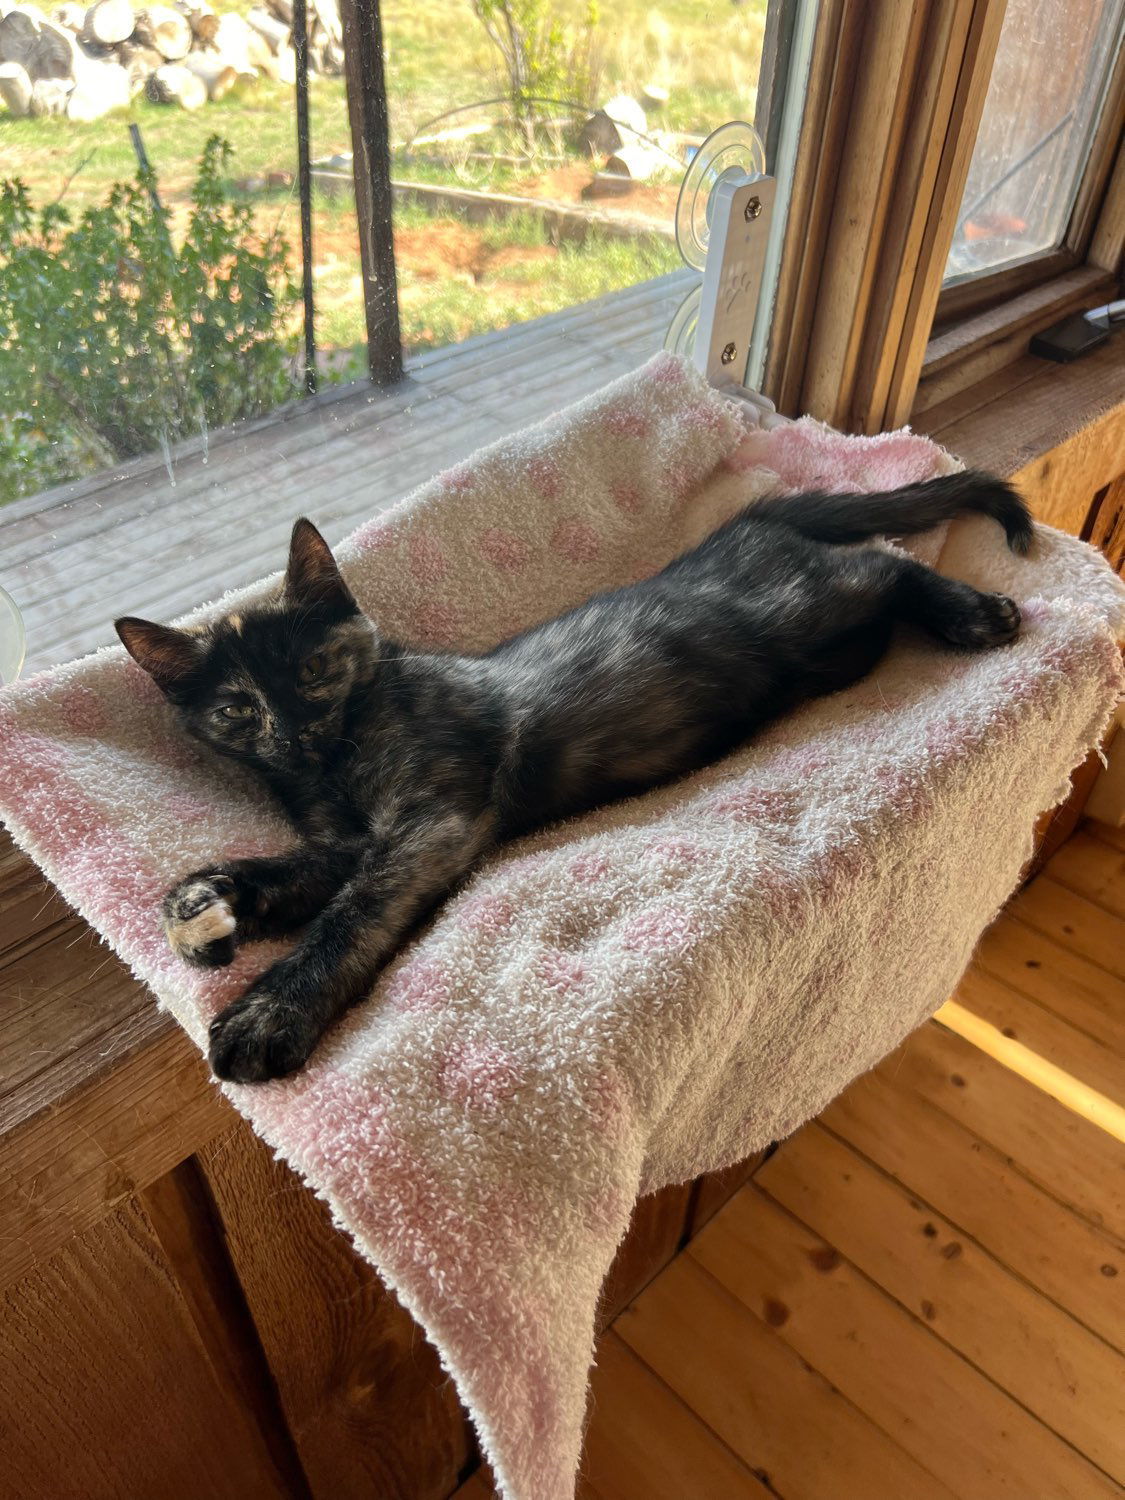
542,57
114,343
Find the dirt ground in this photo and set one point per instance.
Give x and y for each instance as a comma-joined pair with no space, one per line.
567,184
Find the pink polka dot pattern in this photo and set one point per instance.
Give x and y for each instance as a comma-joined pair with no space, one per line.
490,914
665,369
421,985
564,973
575,540
754,804
141,685
188,809
374,536
646,567
704,419
799,762
661,929
546,476
427,560
331,1122
175,752
676,852
626,423
457,481
1035,610
437,623
903,790
627,498
479,1076
83,711
836,869
948,738
591,866
503,550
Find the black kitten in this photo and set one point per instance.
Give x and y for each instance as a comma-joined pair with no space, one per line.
399,769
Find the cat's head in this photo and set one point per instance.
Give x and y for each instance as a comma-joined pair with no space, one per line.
268,683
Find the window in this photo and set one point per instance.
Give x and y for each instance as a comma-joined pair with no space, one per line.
155,445
1053,68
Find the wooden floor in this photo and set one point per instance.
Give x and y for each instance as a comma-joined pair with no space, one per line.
922,1293
162,534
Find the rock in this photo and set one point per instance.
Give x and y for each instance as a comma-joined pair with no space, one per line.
15,88
49,96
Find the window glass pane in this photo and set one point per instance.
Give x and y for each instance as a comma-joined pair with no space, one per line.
543,170
1044,100
154,446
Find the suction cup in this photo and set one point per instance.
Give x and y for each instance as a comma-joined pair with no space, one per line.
680,338
12,640
735,149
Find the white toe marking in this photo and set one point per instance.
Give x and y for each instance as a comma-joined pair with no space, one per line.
213,922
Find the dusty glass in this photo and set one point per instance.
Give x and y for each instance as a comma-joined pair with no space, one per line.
155,446
1044,101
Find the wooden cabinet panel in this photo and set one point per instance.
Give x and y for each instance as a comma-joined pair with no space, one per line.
717,1188
655,1233
105,1390
370,1411
1106,526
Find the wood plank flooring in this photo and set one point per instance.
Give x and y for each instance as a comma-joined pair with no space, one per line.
922,1293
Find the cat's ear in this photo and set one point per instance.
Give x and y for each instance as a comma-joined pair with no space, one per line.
312,576
166,654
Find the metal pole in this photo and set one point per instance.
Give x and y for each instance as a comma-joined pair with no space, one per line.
300,34
371,170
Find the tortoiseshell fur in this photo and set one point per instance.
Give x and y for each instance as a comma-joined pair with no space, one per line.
399,768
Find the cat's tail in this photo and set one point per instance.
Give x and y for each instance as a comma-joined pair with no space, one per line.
916,507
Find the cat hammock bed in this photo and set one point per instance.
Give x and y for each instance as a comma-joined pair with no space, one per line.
643,994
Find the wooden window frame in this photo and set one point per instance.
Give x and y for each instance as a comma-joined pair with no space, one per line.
896,93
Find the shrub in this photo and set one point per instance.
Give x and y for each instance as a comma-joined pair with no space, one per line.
114,343
542,58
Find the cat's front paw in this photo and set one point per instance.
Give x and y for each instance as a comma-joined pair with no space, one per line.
199,919
259,1037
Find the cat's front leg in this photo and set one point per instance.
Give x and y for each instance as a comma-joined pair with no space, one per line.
210,911
272,1029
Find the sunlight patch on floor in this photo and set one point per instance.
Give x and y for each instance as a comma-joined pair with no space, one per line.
1071,1092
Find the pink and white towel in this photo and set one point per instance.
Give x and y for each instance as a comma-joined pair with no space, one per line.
640,995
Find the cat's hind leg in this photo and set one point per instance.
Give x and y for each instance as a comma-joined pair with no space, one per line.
953,611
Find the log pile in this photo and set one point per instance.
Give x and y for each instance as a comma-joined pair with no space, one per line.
87,59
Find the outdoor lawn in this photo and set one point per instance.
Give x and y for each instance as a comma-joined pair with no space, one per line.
456,279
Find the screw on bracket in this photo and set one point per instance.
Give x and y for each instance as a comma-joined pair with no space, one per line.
728,354
753,209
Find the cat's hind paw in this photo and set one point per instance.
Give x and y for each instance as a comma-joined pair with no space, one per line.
199,920
982,622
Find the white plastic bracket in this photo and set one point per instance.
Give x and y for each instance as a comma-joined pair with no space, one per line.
740,209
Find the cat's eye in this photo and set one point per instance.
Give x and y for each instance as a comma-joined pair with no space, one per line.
236,711
311,669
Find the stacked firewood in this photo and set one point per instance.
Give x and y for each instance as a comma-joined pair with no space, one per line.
86,60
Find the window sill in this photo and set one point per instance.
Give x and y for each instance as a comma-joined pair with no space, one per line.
979,346
1058,431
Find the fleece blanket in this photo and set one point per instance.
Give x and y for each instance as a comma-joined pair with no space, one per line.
643,994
